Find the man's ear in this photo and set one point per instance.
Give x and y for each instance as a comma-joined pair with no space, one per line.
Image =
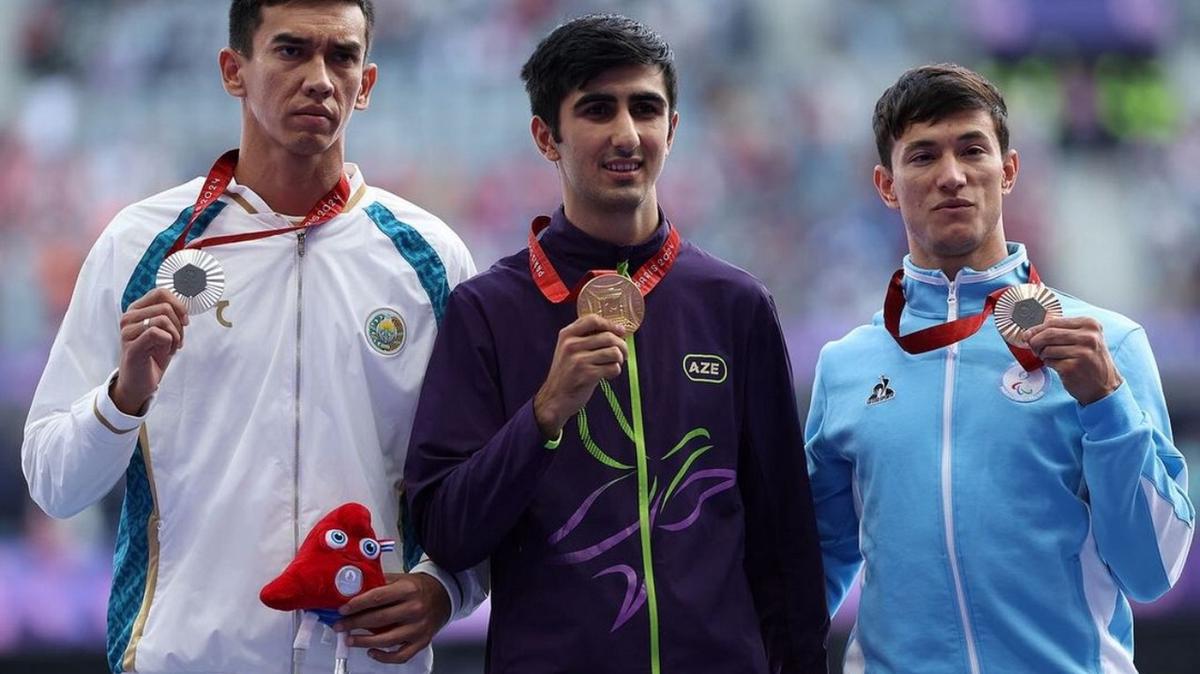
369,76
543,137
885,185
231,64
671,130
1012,166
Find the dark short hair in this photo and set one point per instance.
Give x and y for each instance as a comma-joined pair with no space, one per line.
245,17
580,49
932,93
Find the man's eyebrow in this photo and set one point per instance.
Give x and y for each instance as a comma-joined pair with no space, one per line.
294,40
925,143
595,97
921,144
651,96
638,97
290,38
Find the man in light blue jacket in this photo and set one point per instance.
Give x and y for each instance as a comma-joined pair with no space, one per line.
1003,499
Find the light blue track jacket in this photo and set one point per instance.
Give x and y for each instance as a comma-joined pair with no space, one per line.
999,525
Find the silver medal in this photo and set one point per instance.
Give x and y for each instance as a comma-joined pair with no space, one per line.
195,277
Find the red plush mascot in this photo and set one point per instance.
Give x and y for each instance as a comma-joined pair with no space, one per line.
338,560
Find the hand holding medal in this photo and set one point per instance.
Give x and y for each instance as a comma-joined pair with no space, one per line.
1076,350
611,306
188,282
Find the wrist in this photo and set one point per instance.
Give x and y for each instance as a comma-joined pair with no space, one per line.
126,403
439,596
548,422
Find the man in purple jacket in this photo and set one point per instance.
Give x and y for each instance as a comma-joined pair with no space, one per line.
666,524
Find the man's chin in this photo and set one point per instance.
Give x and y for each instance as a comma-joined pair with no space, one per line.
310,144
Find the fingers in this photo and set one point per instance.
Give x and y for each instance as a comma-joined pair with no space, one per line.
1063,326
159,309
159,324
1059,354
604,344
590,324
395,591
405,653
1083,333
162,296
393,657
397,635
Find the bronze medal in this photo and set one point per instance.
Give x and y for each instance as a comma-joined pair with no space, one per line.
615,298
1023,306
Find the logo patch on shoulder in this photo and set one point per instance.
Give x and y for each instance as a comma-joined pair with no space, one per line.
881,392
385,331
1021,386
705,368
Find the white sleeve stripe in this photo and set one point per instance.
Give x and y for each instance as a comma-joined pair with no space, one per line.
1100,591
1173,534
854,662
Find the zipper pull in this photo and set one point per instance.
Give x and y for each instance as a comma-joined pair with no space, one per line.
300,241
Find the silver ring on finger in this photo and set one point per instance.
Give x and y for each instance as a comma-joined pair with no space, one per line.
145,324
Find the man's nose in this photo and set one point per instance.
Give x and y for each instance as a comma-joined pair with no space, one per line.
624,131
950,175
317,83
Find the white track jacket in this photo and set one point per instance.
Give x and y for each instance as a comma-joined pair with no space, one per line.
295,395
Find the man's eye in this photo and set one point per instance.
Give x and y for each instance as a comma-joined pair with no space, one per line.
288,51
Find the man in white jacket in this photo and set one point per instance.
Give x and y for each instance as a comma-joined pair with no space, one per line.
314,301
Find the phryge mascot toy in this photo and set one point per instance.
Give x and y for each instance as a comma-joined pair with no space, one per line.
338,560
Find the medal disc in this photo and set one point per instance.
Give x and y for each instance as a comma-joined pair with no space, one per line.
614,297
194,277
1023,306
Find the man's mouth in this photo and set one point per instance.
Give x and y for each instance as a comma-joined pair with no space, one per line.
625,166
953,204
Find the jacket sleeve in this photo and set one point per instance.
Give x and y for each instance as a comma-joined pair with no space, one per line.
77,444
831,475
783,555
470,470
469,587
1142,518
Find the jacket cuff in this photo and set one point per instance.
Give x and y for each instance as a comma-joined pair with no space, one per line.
105,411
1112,416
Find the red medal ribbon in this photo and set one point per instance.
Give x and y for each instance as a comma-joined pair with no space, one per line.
948,333
645,278
219,177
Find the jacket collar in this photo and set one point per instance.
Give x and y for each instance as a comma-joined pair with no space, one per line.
927,290
575,252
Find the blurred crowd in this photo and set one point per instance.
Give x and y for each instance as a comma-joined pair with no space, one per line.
109,102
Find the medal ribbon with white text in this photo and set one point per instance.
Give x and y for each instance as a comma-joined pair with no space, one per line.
551,284
219,177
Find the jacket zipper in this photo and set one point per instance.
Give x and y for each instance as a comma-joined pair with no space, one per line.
947,480
296,446
296,454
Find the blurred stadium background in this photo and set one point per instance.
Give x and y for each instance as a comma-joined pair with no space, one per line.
108,102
